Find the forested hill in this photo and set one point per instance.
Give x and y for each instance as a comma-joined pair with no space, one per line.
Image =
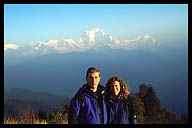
16,99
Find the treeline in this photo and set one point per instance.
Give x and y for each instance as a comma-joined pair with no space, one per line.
146,104
148,109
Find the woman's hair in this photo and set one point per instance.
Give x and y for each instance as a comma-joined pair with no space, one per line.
124,91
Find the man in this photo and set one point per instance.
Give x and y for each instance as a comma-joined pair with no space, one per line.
88,106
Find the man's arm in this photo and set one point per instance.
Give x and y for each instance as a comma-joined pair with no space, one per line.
73,112
74,109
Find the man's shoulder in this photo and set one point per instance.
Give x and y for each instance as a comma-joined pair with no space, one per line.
80,95
101,87
84,92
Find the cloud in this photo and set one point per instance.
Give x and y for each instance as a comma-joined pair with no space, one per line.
11,46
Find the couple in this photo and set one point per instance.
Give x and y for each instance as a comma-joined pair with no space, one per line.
95,104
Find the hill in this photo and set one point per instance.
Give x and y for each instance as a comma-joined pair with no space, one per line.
16,99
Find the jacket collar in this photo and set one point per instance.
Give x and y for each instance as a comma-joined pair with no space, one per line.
87,89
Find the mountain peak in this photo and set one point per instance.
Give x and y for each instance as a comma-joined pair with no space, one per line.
95,30
92,34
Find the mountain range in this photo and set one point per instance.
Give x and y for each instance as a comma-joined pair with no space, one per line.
94,39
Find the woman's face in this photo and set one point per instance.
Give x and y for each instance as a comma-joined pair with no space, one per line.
115,88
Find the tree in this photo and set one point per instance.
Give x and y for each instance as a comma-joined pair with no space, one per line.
152,106
138,107
169,117
42,114
66,103
58,115
27,116
184,118
165,116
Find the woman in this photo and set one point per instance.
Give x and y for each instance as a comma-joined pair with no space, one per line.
119,106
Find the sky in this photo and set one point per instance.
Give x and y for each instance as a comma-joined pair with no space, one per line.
24,23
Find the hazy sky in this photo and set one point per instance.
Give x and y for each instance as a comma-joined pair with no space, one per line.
24,23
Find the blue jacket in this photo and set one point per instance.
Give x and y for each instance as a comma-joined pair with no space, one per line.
120,111
87,107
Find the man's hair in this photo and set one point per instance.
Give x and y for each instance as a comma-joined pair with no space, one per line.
92,70
124,90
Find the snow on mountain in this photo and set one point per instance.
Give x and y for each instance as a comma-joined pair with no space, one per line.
92,35
94,39
10,46
141,42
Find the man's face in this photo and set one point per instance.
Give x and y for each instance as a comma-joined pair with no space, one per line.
93,80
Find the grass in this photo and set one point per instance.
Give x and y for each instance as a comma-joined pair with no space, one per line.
28,116
10,120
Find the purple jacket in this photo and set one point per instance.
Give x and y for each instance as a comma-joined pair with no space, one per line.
87,107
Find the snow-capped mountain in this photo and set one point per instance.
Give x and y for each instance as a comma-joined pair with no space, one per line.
95,39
